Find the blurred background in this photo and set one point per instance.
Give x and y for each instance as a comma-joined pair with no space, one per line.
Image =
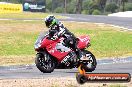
21,21
91,7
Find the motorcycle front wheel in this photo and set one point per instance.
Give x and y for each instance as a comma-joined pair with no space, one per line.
45,63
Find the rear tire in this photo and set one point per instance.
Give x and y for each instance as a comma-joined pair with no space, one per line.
45,63
91,65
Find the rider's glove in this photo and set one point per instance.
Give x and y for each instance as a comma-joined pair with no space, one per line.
54,37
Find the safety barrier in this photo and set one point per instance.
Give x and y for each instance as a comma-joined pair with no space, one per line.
10,8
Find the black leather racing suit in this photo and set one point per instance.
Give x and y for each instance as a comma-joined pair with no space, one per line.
59,30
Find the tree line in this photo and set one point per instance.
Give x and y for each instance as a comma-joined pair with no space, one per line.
84,6
89,6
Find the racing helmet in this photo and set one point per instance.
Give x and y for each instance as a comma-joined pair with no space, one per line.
50,21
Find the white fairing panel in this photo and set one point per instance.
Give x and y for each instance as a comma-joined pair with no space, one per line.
62,48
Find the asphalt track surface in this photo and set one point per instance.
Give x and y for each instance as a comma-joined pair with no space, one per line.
30,71
125,22
116,65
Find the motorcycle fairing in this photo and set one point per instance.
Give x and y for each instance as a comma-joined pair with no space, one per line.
58,50
46,42
83,42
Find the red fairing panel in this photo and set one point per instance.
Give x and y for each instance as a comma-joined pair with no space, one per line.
46,42
83,41
54,52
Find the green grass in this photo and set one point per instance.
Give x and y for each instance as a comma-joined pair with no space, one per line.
26,15
108,43
20,43
103,43
21,22
17,41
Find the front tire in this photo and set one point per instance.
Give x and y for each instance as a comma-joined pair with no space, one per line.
92,63
45,63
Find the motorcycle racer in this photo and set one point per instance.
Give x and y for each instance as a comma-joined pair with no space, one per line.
58,48
57,29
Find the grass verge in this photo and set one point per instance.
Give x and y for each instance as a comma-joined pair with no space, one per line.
17,40
26,15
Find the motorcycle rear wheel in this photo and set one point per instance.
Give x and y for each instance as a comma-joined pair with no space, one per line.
92,63
45,63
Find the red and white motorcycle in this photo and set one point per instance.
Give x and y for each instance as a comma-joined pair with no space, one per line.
53,54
